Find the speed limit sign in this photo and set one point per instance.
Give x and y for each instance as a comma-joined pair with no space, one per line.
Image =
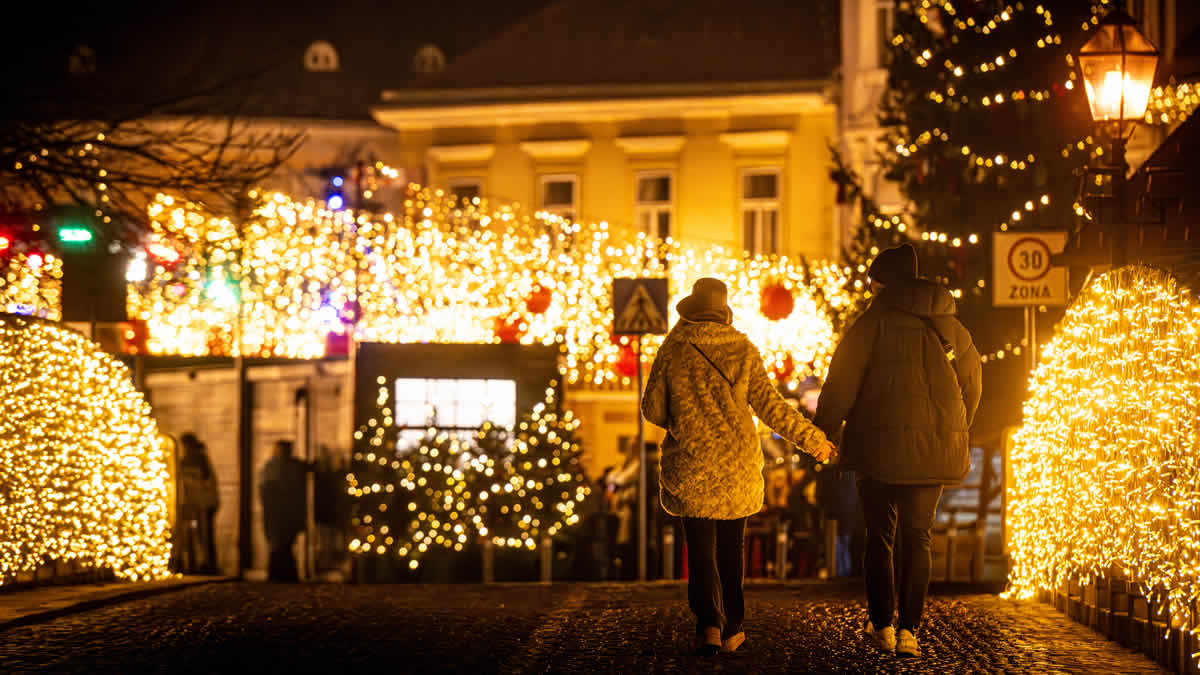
1021,271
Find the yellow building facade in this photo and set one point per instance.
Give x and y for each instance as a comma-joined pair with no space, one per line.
744,171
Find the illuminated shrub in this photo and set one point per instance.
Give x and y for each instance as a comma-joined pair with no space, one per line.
82,472
1106,468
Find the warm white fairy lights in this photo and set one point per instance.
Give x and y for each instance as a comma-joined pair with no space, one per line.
512,487
1106,467
449,270
82,470
30,280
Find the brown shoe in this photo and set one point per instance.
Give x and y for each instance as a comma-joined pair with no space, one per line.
732,642
710,642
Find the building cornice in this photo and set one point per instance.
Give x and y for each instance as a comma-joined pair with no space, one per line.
757,141
412,110
462,154
552,150
650,145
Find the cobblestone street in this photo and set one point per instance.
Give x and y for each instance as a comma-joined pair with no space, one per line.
571,628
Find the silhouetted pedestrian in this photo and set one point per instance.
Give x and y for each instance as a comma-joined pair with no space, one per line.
906,381
707,383
282,489
198,498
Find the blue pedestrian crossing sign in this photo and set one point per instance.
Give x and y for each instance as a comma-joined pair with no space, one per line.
639,306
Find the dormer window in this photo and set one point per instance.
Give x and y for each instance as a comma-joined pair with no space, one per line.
429,60
82,60
320,57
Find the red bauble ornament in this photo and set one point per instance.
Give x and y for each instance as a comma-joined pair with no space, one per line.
627,362
784,371
776,302
508,330
539,300
337,344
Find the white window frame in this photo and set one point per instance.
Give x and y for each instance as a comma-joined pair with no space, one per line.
881,41
759,206
454,183
559,209
652,210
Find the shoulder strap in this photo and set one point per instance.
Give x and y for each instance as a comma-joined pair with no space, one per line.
710,362
946,346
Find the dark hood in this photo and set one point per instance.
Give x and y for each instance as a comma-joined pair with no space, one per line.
919,296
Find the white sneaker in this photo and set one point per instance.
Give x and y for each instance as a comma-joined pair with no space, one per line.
883,639
906,644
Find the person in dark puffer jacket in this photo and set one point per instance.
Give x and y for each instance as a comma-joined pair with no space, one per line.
906,380
707,383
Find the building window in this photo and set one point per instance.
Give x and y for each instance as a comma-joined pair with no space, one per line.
452,405
466,189
429,60
654,204
320,57
560,195
760,210
885,12
82,60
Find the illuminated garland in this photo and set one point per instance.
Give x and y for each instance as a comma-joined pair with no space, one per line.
82,469
449,490
30,281
1106,467
447,270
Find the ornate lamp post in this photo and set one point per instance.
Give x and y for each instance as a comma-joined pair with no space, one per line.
1118,65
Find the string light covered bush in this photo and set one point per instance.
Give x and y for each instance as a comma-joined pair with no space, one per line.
83,474
1106,467
449,489
449,270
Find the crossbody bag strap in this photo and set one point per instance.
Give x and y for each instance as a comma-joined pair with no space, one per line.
710,362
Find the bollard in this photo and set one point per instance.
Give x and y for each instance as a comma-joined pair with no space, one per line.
668,549
781,549
547,554
489,560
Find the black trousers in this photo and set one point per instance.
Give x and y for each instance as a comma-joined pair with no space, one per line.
716,564
905,512
281,564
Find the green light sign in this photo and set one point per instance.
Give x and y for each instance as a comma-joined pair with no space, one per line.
75,235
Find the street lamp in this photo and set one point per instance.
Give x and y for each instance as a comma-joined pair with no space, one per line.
1118,65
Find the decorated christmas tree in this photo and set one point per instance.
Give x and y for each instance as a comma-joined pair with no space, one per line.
409,500
541,483
986,130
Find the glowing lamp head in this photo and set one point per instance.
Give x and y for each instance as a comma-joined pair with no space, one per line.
335,202
1118,65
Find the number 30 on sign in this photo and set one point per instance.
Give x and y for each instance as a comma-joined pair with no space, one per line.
1021,271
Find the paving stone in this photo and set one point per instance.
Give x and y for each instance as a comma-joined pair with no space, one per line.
518,628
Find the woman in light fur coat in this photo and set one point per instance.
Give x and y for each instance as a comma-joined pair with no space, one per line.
707,383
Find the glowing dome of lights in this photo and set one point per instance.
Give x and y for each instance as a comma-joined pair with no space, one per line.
82,470
1106,468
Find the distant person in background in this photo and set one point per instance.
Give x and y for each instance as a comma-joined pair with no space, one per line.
906,381
282,488
198,501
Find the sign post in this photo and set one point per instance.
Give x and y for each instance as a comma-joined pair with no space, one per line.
640,307
1022,276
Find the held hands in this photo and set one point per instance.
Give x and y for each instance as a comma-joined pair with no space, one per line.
825,452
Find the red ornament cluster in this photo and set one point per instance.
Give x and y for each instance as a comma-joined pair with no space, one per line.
539,300
776,302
